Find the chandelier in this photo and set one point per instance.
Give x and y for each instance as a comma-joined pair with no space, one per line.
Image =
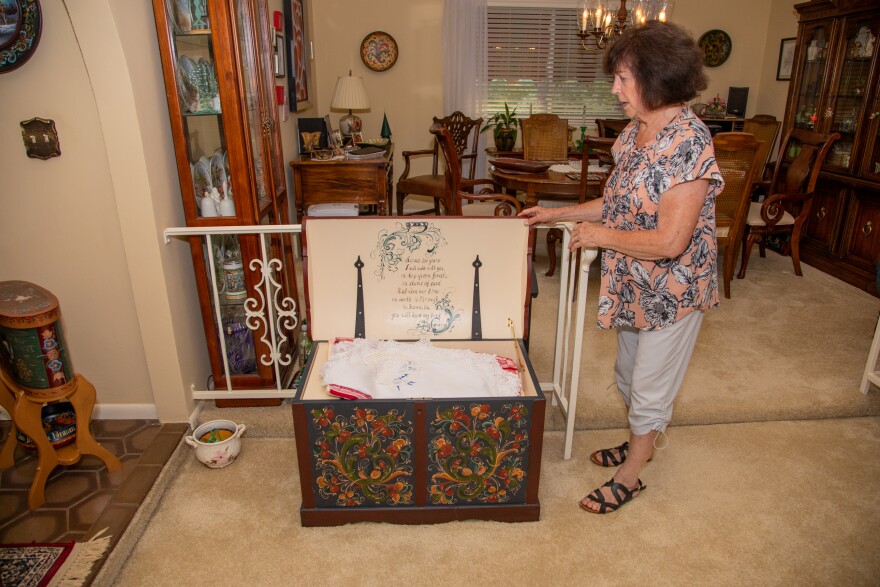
599,25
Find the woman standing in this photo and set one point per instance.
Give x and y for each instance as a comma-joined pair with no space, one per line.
657,233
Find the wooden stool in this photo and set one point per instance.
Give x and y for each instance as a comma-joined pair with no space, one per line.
36,370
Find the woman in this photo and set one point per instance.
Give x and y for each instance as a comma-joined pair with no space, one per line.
657,233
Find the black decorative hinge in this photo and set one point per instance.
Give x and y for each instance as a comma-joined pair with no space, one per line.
476,322
359,327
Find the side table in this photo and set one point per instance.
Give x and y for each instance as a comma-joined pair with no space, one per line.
35,369
363,181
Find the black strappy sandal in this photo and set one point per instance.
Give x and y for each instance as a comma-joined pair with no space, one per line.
611,457
619,491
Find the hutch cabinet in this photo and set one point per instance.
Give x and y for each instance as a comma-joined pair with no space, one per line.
834,88
218,67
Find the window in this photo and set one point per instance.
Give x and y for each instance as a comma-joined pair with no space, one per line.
536,63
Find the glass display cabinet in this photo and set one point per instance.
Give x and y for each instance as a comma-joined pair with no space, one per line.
217,61
834,88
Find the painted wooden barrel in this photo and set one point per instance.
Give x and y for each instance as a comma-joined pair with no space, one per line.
32,348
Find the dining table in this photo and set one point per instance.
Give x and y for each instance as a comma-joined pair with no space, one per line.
558,187
547,185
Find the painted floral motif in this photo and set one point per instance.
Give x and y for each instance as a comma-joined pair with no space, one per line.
477,455
410,237
441,323
363,457
221,458
49,345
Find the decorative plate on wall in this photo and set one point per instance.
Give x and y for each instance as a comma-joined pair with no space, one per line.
19,32
716,46
379,51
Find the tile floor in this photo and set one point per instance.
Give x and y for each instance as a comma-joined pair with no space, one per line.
84,498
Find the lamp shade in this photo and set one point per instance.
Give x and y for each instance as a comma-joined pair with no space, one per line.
350,94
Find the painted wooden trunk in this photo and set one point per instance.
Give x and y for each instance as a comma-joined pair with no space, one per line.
463,283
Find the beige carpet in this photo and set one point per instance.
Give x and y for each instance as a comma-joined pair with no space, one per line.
780,503
751,502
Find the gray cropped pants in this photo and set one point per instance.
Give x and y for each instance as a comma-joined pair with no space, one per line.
650,368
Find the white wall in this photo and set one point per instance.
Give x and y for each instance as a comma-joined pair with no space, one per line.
59,226
411,92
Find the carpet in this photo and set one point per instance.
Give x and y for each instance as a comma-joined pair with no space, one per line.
65,564
770,503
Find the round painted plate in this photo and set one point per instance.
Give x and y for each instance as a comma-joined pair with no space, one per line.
716,45
201,178
20,31
218,171
186,85
379,51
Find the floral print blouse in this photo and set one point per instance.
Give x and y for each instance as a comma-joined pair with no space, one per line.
650,295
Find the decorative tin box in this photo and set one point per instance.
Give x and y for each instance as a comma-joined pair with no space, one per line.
463,283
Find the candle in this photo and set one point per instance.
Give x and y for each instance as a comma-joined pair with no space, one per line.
584,21
598,17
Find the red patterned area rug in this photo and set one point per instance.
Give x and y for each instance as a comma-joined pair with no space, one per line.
65,564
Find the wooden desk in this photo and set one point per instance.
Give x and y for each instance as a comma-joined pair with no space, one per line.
366,181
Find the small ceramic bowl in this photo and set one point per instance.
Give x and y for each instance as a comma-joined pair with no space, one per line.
322,154
217,443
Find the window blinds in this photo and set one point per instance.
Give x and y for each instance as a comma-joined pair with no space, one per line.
536,63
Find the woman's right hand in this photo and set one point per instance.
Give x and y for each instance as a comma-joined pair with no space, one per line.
538,215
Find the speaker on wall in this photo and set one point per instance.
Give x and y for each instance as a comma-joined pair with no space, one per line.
736,101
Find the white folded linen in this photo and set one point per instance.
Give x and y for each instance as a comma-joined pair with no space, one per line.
386,369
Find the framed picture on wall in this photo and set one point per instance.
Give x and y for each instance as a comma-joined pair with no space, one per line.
297,54
786,59
280,49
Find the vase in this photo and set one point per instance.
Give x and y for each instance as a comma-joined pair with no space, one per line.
505,139
234,277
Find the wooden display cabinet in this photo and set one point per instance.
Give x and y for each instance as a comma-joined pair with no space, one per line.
834,88
217,60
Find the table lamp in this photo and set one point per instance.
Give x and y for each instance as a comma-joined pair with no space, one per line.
349,95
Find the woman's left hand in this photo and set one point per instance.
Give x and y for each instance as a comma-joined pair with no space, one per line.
585,235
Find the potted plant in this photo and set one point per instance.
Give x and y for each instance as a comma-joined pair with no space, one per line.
504,125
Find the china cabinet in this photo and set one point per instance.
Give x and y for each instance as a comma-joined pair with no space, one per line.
218,68
834,88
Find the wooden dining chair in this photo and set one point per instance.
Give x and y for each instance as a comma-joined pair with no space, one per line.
458,189
765,127
610,128
597,148
545,138
465,134
738,155
790,196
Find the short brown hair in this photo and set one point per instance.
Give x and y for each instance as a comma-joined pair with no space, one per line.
666,63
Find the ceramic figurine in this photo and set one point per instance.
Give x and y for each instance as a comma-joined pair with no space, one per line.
207,206
226,207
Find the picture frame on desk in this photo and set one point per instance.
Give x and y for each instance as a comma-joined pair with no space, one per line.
312,133
786,58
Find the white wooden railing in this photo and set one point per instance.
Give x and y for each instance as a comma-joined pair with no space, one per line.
277,314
